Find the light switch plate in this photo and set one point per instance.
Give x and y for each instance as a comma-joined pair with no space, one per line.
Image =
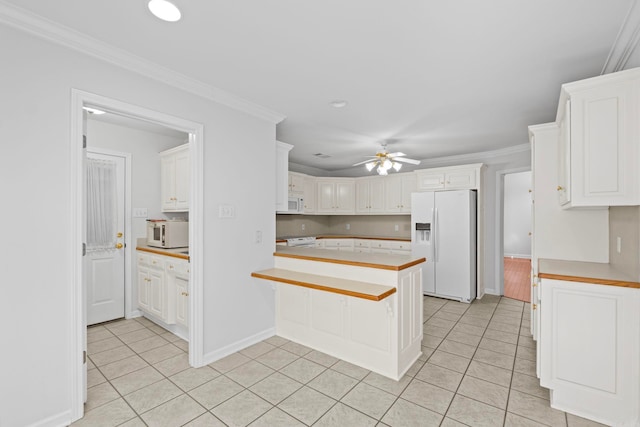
140,212
226,211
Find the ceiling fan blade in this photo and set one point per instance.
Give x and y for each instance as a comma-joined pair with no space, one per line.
405,160
363,162
398,154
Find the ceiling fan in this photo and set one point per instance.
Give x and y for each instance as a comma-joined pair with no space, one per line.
386,161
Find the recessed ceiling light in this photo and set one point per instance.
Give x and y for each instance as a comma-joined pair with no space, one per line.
165,10
91,110
338,103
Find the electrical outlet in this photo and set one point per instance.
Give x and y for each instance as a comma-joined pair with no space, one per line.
619,244
303,227
258,236
348,226
396,227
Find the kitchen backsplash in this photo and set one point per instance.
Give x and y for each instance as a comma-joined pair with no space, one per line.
361,225
624,222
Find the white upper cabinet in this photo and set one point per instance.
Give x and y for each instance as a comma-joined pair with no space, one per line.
397,192
309,195
335,195
599,139
174,179
296,183
282,176
449,178
370,195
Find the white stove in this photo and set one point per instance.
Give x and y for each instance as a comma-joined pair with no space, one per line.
302,242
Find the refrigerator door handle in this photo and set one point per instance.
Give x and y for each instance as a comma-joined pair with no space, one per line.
434,244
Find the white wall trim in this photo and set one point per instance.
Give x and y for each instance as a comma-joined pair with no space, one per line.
626,41
523,256
58,420
29,22
238,345
129,247
77,326
498,229
476,157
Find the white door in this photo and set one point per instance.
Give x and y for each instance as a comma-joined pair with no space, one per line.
104,269
453,249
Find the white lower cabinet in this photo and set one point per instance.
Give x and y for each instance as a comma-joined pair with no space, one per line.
163,287
590,350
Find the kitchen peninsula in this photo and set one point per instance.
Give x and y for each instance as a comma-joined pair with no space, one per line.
365,308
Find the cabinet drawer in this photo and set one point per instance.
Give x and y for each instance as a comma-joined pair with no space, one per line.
380,244
177,266
338,243
362,243
397,245
143,258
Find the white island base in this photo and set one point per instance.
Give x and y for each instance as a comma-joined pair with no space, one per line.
363,308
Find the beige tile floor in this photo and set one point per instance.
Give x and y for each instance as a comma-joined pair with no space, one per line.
477,369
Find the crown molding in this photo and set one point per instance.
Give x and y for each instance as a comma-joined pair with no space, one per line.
477,157
31,23
626,41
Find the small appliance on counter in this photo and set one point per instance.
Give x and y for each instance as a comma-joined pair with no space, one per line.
167,233
302,242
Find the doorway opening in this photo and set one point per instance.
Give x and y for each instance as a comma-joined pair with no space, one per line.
134,224
516,252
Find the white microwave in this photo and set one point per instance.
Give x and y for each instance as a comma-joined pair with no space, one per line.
167,233
295,205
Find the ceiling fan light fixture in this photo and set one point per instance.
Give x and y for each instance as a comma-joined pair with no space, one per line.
397,166
370,166
382,171
387,164
165,10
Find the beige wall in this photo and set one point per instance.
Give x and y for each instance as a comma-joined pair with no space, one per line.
361,225
624,222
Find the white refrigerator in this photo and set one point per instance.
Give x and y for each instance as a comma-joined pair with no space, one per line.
443,230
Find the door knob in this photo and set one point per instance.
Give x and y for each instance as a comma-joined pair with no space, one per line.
119,234
560,188
119,245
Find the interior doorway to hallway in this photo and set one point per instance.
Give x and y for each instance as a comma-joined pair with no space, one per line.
517,236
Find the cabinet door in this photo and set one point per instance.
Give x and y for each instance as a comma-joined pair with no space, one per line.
590,349
377,195
430,180
325,196
309,196
296,183
143,287
363,195
604,145
182,175
345,197
460,179
168,182
408,187
393,194
564,157
156,293
182,300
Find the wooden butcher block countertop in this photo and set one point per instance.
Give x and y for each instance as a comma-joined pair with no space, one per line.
586,272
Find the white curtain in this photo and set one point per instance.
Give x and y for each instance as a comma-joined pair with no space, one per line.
101,205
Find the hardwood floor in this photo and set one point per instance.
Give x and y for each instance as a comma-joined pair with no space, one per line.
517,278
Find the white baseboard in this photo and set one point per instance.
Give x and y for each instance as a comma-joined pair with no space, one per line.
133,314
523,256
237,346
58,420
491,292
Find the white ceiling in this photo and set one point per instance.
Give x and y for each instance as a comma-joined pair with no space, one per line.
435,78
